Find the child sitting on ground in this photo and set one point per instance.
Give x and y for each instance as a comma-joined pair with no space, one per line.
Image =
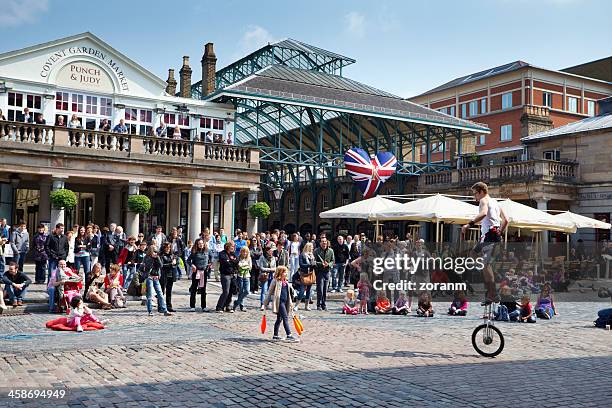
383,306
401,305
460,305
350,303
80,314
526,311
425,307
545,308
363,287
508,308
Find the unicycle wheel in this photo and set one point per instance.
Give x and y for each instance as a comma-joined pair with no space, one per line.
487,340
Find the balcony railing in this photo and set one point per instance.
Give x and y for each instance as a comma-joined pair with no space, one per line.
78,141
545,170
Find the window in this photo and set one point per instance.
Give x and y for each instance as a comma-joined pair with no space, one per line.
217,124
423,148
325,201
443,110
547,99
307,203
106,107
591,108
169,118
483,106
77,103
507,100
34,101
206,123
552,155
452,111
61,101
131,114
291,204
482,140
345,199
183,120
91,105
473,108
146,116
15,99
506,133
510,159
463,110
572,104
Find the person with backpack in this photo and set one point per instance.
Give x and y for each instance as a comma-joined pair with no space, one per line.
40,255
151,274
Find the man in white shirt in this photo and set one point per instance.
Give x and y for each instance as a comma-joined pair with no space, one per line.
493,224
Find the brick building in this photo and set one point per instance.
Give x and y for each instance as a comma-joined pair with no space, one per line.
514,100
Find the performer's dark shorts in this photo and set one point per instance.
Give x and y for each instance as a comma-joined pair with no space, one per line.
486,249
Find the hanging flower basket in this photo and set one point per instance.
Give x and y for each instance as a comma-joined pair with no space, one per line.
140,204
260,210
63,198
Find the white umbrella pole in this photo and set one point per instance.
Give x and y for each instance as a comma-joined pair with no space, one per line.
567,246
506,239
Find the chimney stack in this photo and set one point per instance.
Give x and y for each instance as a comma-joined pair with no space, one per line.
209,67
171,87
185,74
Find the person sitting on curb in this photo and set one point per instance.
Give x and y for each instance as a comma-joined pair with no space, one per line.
383,306
16,284
425,308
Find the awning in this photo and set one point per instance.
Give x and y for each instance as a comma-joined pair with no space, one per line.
369,209
436,208
522,216
580,221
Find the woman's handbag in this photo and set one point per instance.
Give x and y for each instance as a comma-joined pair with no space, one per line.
263,277
309,279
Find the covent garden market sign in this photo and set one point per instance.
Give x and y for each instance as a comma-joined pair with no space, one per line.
83,72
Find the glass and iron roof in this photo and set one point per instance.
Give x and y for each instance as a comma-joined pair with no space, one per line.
294,86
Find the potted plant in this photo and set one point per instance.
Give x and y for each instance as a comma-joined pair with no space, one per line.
260,210
63,198
139,204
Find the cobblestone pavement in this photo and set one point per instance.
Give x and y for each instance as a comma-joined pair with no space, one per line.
208,359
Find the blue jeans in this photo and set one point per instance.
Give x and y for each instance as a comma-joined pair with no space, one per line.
19,259
337,276
264,289
153,285
2,262
322,284
14,293
305,294
82,260
128,274
51,292
244,287
52,266
294,264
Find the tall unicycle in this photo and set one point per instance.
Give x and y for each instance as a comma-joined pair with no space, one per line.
487,339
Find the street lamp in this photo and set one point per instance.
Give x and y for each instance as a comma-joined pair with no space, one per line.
276,190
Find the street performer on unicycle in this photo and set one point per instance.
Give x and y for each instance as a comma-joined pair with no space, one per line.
486,338
491,228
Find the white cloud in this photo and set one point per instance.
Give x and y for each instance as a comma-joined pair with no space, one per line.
17,12
254,38
355,23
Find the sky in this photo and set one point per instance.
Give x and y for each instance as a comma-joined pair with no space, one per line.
403,47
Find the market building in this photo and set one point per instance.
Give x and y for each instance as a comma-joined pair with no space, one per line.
85,81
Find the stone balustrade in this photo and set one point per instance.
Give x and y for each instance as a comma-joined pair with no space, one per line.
85,141
545,170
26,133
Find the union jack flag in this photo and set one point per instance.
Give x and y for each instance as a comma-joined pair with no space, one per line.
369,173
